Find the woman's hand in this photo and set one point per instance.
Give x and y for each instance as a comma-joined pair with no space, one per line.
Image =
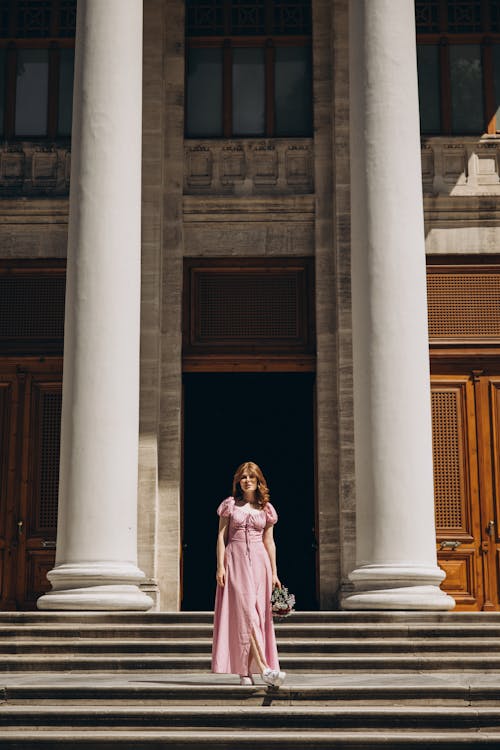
276,582
221,576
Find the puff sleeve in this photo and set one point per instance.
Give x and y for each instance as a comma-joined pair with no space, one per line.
271,515
226,507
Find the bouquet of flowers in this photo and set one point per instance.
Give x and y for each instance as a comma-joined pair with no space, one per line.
282,603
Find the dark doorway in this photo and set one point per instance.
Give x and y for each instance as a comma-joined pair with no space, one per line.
263,417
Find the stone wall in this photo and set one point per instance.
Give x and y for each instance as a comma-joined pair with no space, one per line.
327,447
249,197
341,223
153,119
168,539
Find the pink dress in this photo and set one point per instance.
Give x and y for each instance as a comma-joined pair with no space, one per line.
244,603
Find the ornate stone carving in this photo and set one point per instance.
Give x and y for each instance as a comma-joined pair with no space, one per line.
298,161
44,168
12,167
454,163
461,165
199,167
262,166
232,165
33,169
265,165
427,166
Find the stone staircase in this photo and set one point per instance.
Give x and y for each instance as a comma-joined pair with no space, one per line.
356,680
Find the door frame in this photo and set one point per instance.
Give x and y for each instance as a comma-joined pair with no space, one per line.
246,356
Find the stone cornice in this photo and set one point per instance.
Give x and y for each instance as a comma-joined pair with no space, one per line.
462,210
34,211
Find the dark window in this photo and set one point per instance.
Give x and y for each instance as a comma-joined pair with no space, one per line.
36,67
248,68
458,52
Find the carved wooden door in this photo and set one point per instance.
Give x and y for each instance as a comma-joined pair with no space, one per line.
456,489
31,412
487,390
466,438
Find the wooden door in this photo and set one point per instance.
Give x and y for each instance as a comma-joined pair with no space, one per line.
487,389
8,485
456,489
466,439
30,413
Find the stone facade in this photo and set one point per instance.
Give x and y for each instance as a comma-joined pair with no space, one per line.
269,197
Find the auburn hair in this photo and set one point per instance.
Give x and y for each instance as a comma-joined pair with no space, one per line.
262,491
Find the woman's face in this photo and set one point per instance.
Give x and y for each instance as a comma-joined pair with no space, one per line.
248,482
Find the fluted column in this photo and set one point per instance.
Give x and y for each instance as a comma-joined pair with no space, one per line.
396,554
96,559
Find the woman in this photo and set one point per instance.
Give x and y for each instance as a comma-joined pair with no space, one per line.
244,639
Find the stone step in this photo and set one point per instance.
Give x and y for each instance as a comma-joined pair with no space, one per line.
286,646
356,681
293,630
289,718
136,691
196,663
22,739
131,690
323,617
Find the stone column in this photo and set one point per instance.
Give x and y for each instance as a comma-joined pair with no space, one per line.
396,554
96,560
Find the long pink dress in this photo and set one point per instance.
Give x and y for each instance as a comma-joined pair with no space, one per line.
244,603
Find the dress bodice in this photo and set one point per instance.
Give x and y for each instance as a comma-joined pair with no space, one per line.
246,526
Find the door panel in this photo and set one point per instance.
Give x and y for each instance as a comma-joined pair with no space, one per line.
456,489
494,435
30,414
40,471
8,442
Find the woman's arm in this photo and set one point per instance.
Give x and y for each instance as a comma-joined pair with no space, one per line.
268,539
221,549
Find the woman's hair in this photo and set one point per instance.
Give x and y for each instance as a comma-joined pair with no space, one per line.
262,492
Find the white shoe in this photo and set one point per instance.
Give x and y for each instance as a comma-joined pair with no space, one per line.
273,677
246,679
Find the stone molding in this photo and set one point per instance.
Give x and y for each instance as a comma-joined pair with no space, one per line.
29,169
461,165
451,166
249,166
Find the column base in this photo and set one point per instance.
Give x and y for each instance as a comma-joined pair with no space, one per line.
95,586
397,587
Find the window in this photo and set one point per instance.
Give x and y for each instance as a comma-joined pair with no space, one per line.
248,68
36,67
458,53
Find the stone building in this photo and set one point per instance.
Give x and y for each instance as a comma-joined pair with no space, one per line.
260,295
